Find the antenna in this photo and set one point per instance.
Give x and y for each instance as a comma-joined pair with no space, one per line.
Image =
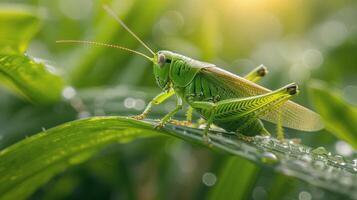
112,13
104,45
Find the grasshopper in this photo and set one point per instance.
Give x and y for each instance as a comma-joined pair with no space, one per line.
234,103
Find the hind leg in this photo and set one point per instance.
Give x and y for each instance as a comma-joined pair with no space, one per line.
251,108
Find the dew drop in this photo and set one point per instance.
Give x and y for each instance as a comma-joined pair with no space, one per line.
302,149
269,158
354,162
285,145
338,159
320,151
202,126
306,158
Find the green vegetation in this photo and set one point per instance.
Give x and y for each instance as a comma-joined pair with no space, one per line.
47,151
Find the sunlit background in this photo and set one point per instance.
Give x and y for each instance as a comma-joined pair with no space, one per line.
299,41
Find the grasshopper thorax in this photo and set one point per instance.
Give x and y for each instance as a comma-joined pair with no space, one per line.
175,69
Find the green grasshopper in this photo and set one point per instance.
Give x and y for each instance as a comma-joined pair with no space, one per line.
221,98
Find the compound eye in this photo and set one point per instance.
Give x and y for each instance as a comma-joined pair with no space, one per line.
161,60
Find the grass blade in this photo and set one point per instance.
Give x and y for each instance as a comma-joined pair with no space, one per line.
30,163
20,73
341,118
237,177
32,79
12,19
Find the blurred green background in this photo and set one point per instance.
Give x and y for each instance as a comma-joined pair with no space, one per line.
311,42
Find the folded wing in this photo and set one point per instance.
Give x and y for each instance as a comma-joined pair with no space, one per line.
293,115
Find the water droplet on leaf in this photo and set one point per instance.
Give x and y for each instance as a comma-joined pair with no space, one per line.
269,158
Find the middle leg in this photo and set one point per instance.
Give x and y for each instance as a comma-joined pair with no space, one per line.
172,113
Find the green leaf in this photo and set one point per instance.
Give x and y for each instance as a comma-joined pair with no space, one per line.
34,80
32,162
22,74
18,25
339,117
236,179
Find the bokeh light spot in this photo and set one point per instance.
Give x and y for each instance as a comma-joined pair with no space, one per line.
312,58
333,33
343,148
68,92
350,94
209,179
305,195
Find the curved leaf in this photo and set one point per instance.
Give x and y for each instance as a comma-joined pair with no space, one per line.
32,162
20,73
18,25
32,79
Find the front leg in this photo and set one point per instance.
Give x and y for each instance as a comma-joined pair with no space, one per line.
172,113
157,100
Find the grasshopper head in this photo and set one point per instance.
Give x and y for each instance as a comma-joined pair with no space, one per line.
161,63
